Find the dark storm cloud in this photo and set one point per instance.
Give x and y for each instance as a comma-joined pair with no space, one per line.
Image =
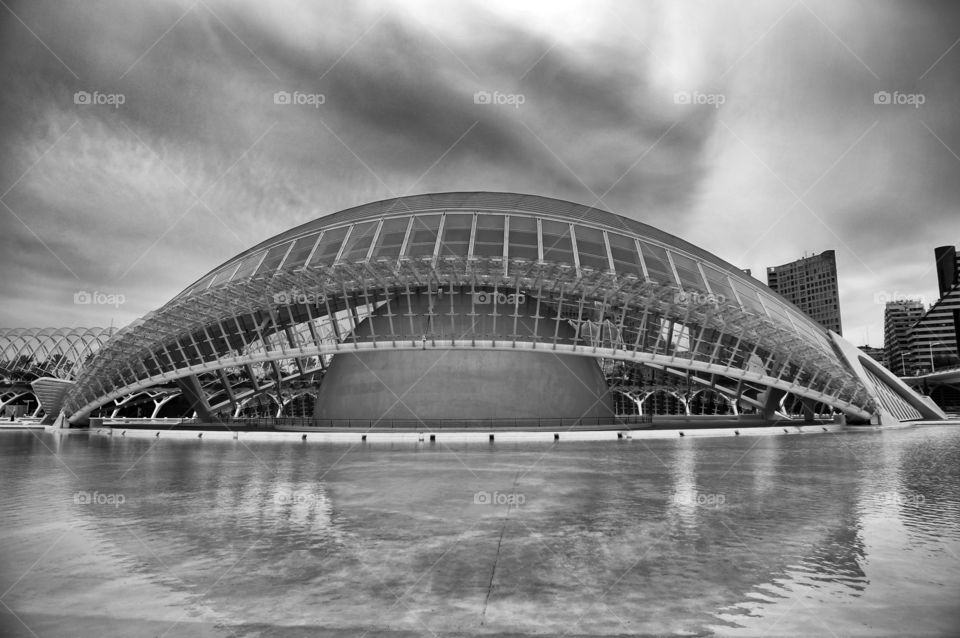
113,192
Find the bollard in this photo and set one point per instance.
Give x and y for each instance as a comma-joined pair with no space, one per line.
491,438
433,437
556,437
681,434
157,435
200,436
363,438
303,438
736,432
619,435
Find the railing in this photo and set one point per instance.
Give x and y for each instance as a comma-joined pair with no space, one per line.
421,425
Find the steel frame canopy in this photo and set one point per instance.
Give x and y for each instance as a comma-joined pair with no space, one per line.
519,260
53,352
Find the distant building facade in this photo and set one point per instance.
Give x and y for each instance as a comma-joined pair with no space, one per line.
899,318
948,268
934,336
811,284
875,353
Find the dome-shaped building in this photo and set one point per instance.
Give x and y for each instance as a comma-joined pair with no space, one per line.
478,306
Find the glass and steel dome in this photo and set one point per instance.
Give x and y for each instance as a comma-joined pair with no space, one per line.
631,292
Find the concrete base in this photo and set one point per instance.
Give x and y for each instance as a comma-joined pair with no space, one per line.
543,436
455,384
462,385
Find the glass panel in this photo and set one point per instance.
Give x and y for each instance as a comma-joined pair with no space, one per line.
456,235
657,265
359,242
391,238
423,236
204,283
272,261
592,250
749,298
329,247
625,257
812,331
247,265
557,245
778,313
720,286
689,273
223,275
489,239
300,252
523,238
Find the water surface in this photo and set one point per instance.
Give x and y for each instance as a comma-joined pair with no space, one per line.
813,534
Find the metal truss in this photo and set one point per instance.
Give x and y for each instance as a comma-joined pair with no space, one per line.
29,353
313,313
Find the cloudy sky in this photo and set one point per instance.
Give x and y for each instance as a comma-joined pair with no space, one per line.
749,128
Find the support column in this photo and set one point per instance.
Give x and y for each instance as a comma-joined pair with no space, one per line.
771,402
195,396
808,412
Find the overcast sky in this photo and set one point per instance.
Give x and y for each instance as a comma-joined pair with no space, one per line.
748,128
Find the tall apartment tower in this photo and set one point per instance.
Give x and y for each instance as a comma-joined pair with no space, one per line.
935,335
948,268
898,318
811,284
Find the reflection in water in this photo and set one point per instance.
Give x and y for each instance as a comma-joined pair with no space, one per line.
928,481
633,537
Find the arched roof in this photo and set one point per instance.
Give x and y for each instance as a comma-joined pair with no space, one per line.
604,241
674,304
479,201
56,352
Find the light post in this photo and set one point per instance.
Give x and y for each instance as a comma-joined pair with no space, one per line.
930,348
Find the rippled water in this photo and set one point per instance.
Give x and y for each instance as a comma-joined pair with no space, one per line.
814,534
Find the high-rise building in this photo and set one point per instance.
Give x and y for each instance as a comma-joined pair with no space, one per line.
811,284
898,318
935,335
948,268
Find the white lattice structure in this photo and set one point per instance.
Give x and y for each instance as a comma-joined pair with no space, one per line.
471,272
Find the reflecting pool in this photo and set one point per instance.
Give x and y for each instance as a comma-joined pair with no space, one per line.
812,534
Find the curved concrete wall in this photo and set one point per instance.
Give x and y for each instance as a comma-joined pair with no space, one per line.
457,384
